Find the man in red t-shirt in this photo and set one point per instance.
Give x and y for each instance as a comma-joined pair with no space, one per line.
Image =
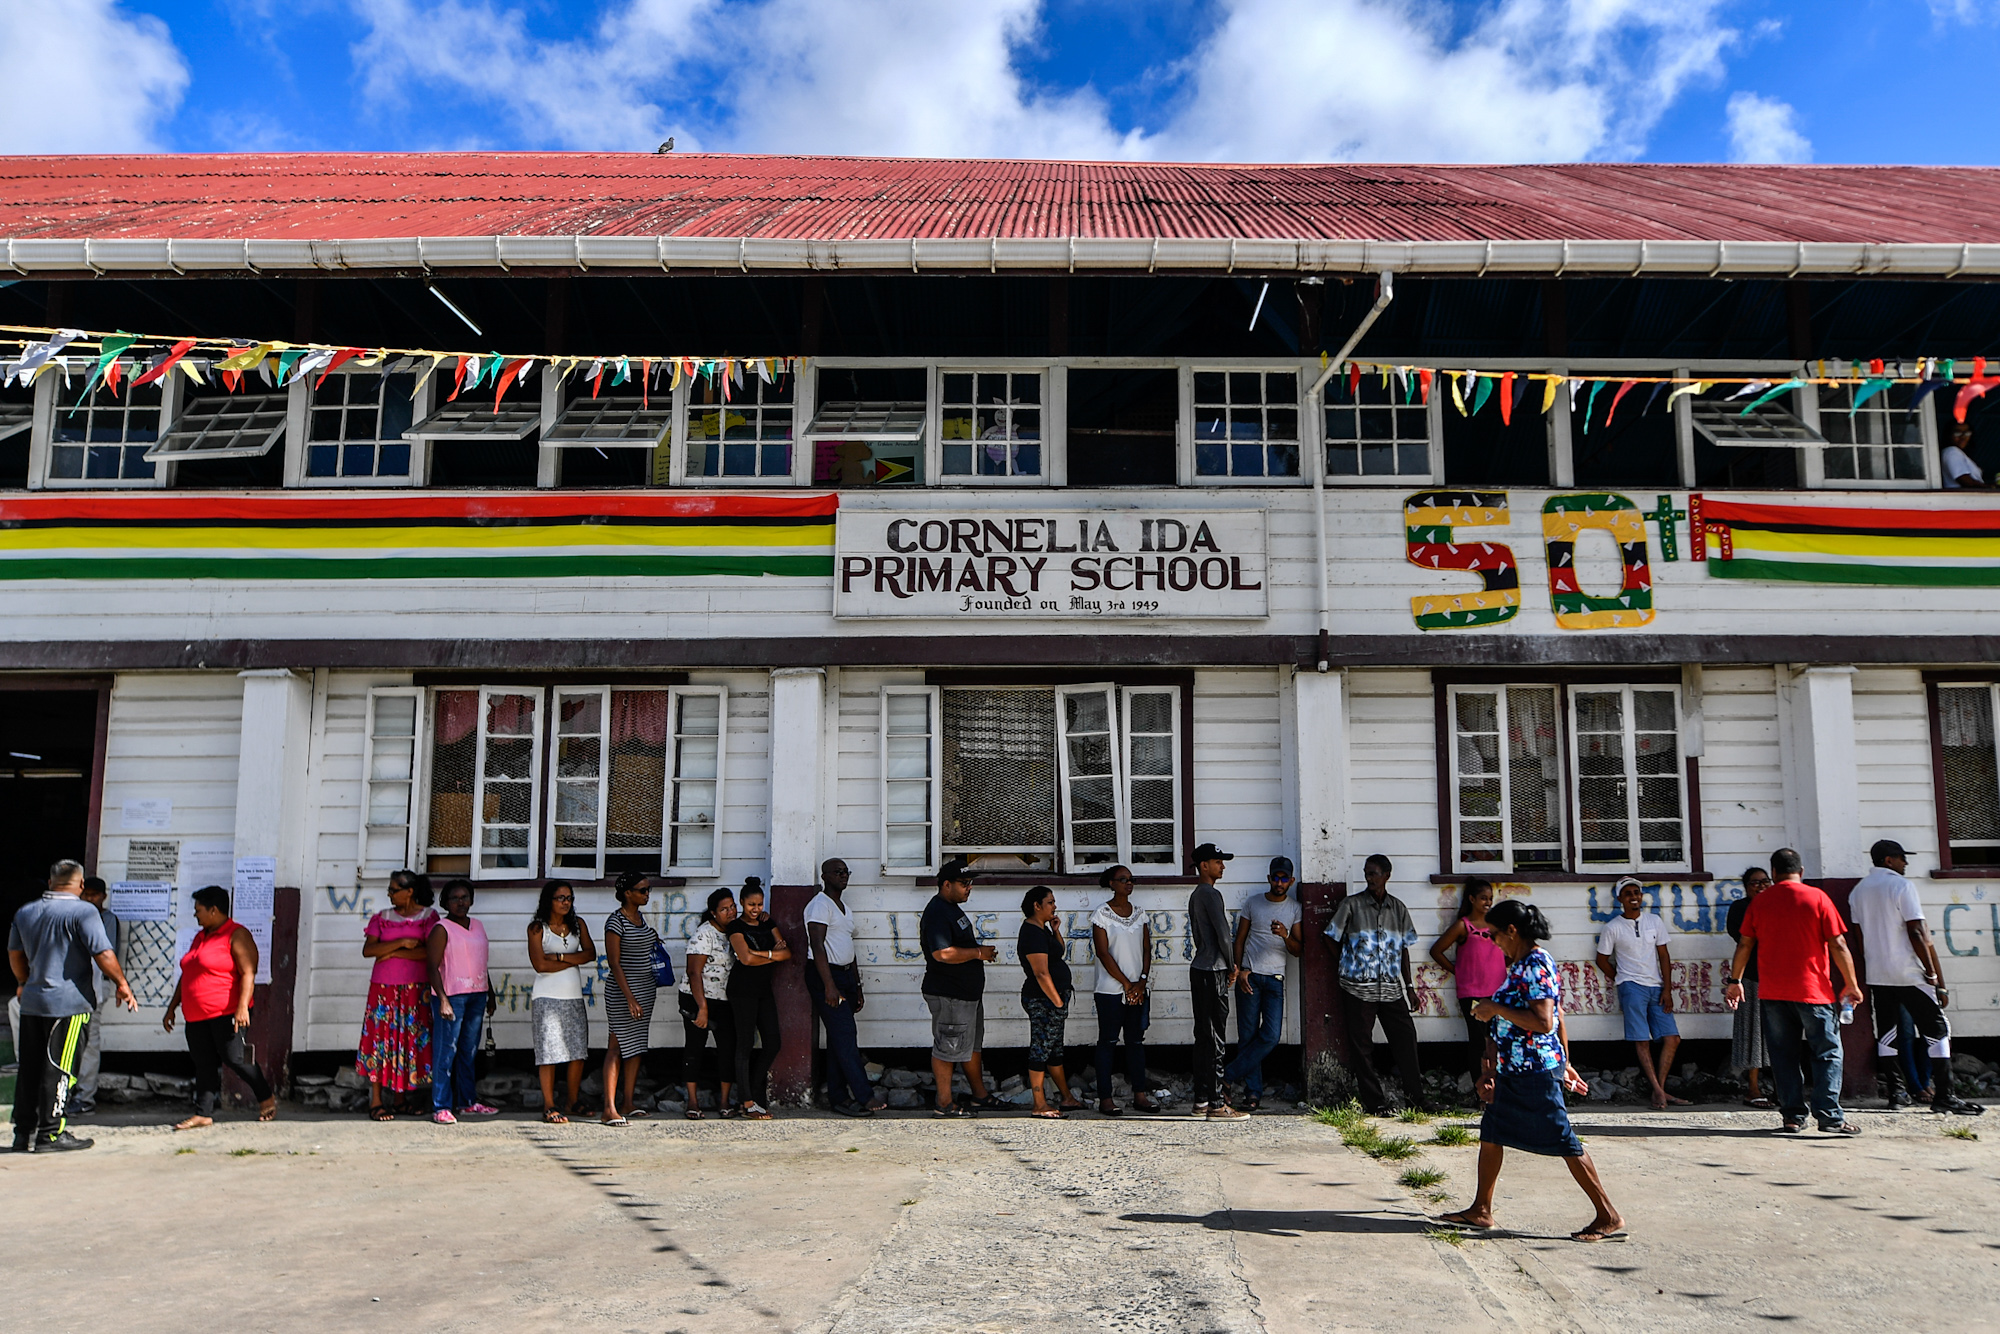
1795,929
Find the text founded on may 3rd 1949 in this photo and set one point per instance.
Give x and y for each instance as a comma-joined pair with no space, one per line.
1067,563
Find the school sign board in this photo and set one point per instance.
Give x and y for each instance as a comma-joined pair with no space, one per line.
1071,563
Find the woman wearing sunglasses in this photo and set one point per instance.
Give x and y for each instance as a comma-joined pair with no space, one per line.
559,949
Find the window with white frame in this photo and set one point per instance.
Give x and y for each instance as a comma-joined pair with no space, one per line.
910,791
749,437
1883,441
388,769
1377,428
1970,763
1528,782
105,439
355,425
1246,424
634,780
1031,778
990,424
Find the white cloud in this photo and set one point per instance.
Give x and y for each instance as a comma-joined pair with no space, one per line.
1763,129
1275,80
85,77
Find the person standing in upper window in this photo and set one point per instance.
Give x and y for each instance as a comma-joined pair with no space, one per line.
1211,977
1267,938
835,984
1374,931
1632,952
1955,460
955,990
1904,973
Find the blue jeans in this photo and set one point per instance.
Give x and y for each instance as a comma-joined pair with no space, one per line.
1804,1044
846,1076
454,1045
1260,1024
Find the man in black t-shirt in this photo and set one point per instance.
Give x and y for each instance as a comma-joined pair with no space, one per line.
955,989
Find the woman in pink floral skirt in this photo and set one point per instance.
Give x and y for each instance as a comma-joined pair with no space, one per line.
395,1051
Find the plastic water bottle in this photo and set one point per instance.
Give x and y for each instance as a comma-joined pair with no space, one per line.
1847,1012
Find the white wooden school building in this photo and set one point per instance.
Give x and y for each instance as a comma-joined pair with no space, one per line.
1051,536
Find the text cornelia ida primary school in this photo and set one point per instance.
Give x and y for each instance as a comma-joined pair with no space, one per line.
1069,563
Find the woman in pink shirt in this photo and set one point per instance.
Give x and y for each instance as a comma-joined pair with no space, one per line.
395,1050
462,1000
1480,967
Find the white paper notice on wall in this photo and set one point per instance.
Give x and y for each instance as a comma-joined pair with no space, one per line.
256,891
153,860
202,864
142,900
146,813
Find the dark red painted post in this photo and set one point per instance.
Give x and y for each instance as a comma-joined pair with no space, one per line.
791,1073
271,1003
1320,1028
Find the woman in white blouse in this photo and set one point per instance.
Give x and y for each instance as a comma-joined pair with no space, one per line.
1124,946
704,1001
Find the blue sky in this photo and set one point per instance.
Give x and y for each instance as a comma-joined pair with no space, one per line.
1245,80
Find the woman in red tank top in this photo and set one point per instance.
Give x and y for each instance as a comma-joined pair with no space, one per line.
217,974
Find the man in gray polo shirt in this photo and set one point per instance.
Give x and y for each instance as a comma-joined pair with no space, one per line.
51,947
1211,973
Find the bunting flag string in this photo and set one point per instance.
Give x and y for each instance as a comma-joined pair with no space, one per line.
117,359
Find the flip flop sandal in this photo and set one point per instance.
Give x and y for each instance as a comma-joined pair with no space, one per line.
552,1117
692,1114
992,1102
1591,1234
639,1114
380,1113
614,1121
1047,1114
1761,1104
1109,1109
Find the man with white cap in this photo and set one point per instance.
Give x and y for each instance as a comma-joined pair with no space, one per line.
1900,964
1632,952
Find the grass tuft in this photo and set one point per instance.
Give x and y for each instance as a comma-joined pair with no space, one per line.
1454,1137
910,1201
1961,1132
179,1152
854,1151
1449,1236
1343,1117
1414,1116
1393,1148
1419,1178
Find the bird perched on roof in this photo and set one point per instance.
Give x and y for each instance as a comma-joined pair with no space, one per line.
666,147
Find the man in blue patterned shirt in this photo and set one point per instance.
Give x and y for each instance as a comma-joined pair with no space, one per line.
1373,932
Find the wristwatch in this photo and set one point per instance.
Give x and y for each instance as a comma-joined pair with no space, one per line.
1732,981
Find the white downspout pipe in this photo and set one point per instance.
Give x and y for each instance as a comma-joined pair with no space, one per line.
1385,292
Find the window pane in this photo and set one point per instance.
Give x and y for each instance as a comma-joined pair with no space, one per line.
999,768
1971,787
1534,780
957,388
1208,387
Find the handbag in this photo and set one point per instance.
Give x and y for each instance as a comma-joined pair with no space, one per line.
663,964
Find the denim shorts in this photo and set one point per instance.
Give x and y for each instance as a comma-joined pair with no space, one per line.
1644,1019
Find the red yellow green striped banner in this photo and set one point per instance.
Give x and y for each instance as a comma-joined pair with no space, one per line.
431,536
1840,544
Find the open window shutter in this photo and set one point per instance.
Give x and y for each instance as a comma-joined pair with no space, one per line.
1096,831
1151,751
910,800
507,792
578,771
388,779
695,770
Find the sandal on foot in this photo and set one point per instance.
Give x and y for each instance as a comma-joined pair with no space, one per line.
552,1117
1459,1219
1762,1104
1109,1108
196,1122
267,1110
1047,1114
692,1114
380,1113
992,1102
1592,1234
613,1121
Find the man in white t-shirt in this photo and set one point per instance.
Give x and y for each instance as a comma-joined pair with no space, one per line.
1632,952
1900,965
835,985
1956,460
1267,938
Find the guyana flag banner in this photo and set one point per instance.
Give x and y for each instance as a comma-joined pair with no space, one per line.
308,537
1827,544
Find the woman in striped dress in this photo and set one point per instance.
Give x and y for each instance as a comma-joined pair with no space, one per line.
628,1000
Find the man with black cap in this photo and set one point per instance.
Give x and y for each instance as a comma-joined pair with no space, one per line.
1211,974
955,989
1267,938
1900,964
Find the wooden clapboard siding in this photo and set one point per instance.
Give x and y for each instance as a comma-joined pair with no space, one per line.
173,736
1742,771
1893,752
1392,775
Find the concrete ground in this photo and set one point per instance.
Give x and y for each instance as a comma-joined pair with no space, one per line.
903,1223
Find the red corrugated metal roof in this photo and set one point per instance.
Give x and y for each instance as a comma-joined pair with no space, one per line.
340,196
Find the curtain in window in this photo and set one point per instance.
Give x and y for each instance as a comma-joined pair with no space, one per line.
639,715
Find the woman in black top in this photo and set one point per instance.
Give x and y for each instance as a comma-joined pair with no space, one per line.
1045,996
1746,1049
759,947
